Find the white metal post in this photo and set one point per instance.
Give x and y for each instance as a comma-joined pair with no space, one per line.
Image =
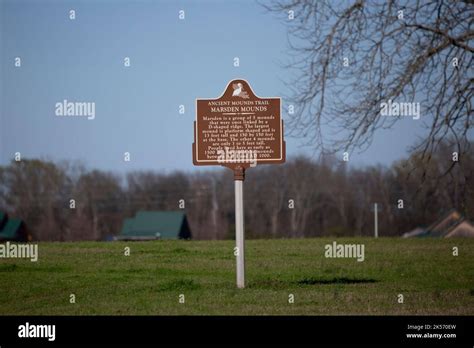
376,223
239,232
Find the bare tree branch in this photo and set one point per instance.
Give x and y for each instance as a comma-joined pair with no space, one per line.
408,51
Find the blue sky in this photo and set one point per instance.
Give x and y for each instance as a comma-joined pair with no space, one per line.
173,62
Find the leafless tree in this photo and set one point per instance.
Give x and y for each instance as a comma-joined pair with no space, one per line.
330,199
99,198
348,57
36,190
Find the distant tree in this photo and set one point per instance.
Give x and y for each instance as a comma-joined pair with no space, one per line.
204,207
327,197
99,206
434,191
36,191
149,190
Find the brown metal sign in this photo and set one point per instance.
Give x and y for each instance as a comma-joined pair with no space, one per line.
239,129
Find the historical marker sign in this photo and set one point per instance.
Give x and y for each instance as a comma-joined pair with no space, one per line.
238,129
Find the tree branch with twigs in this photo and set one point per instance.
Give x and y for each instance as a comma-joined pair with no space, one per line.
405,51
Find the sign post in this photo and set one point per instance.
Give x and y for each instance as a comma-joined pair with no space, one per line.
238,130
239,228
376,221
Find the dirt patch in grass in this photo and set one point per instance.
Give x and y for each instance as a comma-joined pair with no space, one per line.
337,280
8,268
180,284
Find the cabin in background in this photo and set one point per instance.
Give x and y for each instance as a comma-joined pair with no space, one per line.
152,225
453,224
13,230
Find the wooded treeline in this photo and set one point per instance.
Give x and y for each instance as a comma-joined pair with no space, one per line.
302,198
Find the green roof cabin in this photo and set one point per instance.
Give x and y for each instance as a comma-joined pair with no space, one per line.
151,225
13,230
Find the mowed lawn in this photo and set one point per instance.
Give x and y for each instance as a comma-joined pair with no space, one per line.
150,280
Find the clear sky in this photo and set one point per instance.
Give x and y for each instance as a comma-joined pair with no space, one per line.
173,62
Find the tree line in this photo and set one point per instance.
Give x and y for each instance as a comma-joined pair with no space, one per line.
302,198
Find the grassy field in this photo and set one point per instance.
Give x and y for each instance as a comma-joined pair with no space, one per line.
150,280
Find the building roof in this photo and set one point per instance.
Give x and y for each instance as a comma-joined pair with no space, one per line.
462,229
127,226
10,229
154,224
417,232
440,227
453,224
3,219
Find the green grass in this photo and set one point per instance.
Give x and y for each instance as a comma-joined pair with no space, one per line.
150,280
